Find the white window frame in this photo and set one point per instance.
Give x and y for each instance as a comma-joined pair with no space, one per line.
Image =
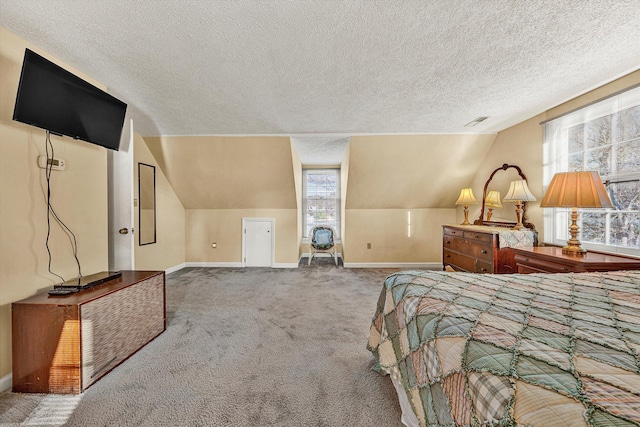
556,159
336,226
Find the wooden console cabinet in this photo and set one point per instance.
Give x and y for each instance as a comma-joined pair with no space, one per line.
550,259
63,344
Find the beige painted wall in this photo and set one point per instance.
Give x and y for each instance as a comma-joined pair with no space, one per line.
617,85
210,172
412,171
386,230
169,249
388,175
224,226
79,196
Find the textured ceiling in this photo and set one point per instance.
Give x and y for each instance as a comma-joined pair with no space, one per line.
320,150
335,67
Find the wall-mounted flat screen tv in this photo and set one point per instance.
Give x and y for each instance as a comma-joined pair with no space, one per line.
56,100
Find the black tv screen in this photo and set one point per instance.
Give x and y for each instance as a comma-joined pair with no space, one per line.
54,99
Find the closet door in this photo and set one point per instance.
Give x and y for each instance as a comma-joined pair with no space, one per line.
258,242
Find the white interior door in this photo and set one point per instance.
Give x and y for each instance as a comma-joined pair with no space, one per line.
120,184
258,242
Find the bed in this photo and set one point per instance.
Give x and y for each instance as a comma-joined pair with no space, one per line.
511,350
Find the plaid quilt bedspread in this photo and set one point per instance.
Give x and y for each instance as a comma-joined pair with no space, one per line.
512,350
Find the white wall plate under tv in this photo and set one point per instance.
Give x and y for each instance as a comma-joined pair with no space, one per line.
56,164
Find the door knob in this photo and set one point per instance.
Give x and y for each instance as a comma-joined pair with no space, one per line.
123,230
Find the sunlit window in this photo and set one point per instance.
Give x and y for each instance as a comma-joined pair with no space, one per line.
321,199
603,137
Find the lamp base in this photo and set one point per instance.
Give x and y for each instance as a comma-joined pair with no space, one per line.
466,216
519,225
573,244
574,248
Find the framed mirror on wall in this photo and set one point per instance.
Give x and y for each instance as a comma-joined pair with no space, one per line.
146,204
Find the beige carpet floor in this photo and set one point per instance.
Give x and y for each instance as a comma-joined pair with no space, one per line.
243,347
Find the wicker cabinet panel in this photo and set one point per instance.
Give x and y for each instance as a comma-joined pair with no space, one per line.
117,325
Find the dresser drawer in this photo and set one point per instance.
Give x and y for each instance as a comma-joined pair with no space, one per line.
481,237
527,264
456,244
476,249
484,267
452,232
466,262
481,251
527,269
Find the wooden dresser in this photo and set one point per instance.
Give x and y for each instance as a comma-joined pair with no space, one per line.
477,249
550,259
63,344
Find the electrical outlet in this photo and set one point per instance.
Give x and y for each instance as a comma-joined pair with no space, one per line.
214,245
368,245
55,164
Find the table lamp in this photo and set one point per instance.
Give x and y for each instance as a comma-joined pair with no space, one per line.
492,201
519,193
576,190
466,198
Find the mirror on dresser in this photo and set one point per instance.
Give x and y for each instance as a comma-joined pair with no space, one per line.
507,217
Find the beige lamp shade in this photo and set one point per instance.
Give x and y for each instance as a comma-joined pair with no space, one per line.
519,191
576,190
466,197
493,199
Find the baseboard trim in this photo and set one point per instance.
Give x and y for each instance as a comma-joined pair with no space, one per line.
6,382
175,268
235,264
403,265
213,264
285,265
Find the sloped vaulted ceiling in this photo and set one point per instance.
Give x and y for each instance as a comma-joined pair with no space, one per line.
227,172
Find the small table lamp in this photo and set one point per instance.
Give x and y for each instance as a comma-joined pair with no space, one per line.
466,198
519,192
576,190
492,201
